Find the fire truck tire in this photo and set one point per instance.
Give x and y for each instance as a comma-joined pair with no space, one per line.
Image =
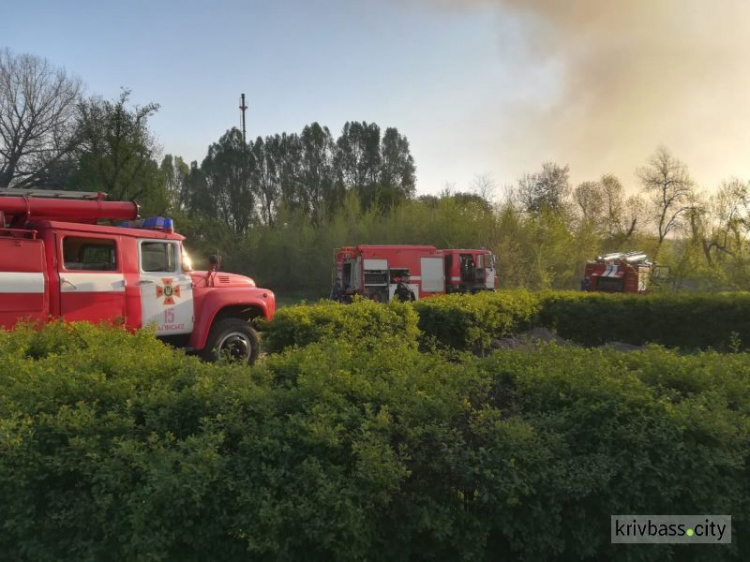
233,338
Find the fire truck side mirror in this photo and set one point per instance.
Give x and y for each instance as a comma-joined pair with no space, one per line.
214,262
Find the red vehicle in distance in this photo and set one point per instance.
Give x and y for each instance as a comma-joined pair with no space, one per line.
618,273
376,271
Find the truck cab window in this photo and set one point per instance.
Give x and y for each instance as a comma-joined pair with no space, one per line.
89,254
159,256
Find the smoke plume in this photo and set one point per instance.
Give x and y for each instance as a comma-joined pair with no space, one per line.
629,76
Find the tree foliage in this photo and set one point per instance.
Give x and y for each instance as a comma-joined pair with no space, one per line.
308,174
547,189
228,173
117,153
668,182
38,127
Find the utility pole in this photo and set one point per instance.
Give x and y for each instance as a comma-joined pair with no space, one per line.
243,107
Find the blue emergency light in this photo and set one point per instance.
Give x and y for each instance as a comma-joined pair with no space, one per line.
151,223
154,223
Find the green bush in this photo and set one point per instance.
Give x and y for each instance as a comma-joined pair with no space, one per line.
114,447
360,321
642,433
473,321
694,321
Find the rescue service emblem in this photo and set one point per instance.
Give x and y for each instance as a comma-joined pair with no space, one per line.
167,291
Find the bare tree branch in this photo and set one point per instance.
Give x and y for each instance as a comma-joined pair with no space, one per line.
37,118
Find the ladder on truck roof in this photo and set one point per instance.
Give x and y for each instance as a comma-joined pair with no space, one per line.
630,257
52,193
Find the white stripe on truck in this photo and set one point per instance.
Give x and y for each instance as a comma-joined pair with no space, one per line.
21,282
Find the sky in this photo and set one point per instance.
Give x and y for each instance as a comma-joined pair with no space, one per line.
481,88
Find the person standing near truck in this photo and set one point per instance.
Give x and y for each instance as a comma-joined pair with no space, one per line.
402,292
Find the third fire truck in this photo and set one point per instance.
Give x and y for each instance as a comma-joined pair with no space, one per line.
376,271
618,273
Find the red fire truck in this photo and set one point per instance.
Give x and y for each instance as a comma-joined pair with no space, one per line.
57,262
618,273
376,271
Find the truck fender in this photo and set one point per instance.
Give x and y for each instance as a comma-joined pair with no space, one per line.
216,301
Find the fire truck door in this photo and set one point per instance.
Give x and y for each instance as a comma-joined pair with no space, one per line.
23,281
489,263
166,290
92,284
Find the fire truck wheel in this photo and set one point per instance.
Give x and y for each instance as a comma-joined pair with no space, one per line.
234,339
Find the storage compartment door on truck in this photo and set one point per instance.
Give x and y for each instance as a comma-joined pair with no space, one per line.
92,282
433,275
23,281
166,290
375,276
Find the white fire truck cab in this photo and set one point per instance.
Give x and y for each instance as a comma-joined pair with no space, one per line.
56,262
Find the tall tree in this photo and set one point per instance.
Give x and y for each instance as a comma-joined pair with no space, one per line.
197,196
175,172
318,174
228,169
117,151
589,198
635,214
614,206
397,170
667,181
728,224
265,178
37,120
545,190
359,158
288,151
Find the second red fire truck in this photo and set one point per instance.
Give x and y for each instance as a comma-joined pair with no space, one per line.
376,271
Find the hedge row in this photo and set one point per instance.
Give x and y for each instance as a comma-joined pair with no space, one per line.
361,321
113,447
472,322
718,321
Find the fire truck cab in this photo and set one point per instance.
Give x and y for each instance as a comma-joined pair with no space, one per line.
376,271
56,262
469,271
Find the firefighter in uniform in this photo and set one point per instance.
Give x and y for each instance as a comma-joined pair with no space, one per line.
337,292
402,292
